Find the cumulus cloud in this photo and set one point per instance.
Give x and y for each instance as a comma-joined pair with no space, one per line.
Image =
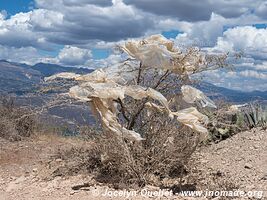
3,14
103,3
73,24
244,80
203,33
262,66
28,55
109,61
190,10
250,40
254,74
78,26
46,21
73,56
18,31
87,20
261,10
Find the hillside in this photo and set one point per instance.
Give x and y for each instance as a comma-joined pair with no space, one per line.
24,82
234,96
21,79
27,175
17,78
49,69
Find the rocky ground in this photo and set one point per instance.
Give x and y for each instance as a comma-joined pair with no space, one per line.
25,168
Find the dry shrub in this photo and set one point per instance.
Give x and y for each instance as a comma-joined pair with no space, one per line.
163,155
122,163
168,145
77,160
15,122
82,157
89,132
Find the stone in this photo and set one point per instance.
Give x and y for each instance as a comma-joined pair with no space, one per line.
248,166
72,192
264,177
34,169
19,180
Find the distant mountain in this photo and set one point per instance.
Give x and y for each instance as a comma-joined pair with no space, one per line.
17,78
230,95
21,78
50,69
23,81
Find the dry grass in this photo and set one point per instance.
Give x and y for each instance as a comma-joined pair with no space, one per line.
77,160
15,122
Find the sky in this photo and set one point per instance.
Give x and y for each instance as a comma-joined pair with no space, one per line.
84,32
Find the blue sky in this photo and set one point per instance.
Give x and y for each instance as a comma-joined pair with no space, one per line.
15,6
170,33
85,32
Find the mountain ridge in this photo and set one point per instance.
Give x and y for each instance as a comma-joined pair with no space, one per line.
235,96
20,78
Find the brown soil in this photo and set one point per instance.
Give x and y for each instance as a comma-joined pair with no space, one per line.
26,168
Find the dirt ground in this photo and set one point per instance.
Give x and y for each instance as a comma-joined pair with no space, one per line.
25,168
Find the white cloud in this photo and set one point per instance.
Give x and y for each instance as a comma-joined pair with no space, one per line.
262,66
253,74
191,10
81,25
70,55
28,55
58,22
105,62
203,33
45,20
247,39
3,14
231,74
103,3
17,31
244,80
261,10
84,21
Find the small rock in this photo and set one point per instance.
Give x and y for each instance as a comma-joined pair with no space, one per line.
151,188
264,177
19,180
239,158
34,169
219,173
58,160
256,146
72,192
237,147
248,166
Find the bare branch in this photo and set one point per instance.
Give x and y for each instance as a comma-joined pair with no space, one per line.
162,78
139,73
123,109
